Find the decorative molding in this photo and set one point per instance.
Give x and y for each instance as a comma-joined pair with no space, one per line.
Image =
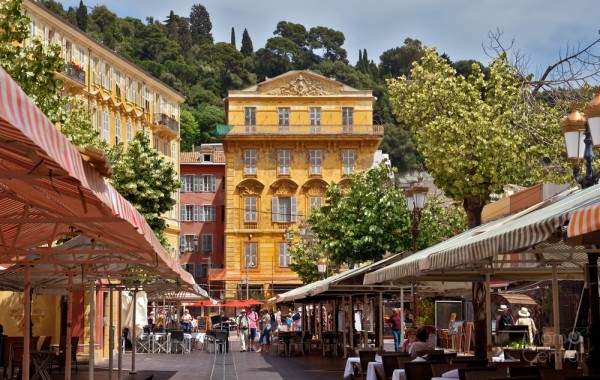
284,188
300,86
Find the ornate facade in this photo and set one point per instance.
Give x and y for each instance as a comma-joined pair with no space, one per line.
288,138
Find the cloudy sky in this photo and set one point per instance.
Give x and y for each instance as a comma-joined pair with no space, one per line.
541,29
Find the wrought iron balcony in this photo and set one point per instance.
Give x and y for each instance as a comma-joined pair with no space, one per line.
166,120
75,72
304,130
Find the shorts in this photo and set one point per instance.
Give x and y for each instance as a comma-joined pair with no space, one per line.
253,333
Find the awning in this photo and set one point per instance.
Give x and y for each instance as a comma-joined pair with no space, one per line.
47,191
584,220
321,286
513,299
535,234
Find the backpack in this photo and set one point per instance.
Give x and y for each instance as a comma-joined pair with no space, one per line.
296,317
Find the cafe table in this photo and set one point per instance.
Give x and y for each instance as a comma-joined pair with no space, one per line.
286,336
41,361
371,373
349,369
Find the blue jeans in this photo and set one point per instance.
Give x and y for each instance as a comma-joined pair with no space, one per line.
396,334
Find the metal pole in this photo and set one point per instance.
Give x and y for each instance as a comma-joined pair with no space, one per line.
91,350
488,317
26,322
132,334
121,342
556,318
69,348
593,359
111,333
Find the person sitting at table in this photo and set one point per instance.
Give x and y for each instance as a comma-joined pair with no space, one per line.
421,343
431,336
411,337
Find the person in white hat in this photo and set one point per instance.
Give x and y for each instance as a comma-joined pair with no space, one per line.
526,320
505,318
243,328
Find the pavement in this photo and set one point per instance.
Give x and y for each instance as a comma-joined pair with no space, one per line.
230,366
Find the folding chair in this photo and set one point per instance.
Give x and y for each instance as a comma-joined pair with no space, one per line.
177,342
143,343
160,343
221,341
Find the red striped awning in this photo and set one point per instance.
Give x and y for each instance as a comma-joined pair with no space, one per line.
48,191
584,220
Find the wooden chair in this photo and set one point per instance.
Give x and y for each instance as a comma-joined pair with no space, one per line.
438,369
553,374
365,356
62,349
524,371
422,353
441,357
512,354
418,370
463,371
46,343
16,349
481,375
390,364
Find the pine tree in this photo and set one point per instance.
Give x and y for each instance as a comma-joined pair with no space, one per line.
200,25
233,36
246,49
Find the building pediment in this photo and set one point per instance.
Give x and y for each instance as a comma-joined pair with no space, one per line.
284,188
315,187
300,84
250,187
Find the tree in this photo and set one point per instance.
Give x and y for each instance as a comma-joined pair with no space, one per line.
78,127
82,16
246,48
398,61
32,65
360,219
364,222
462,124
330,41
146,180
233,36
200,25
189,129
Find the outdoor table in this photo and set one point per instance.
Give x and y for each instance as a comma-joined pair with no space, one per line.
286,336
161,342
371,374
349,369
399,374
41,360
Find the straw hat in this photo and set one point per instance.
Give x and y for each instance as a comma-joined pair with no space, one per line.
503,308
243,311
524,312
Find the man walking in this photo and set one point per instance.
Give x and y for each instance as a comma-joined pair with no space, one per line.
396,324
243,325
252,318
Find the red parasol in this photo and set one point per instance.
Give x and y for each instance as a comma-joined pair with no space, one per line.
203,303
252,301
236,303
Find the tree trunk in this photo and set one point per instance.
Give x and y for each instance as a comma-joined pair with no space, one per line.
473,207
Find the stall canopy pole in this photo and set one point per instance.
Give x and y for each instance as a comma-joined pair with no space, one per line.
69,347
92,328
132,334
27,322
556,318
488,316
121,342
111,333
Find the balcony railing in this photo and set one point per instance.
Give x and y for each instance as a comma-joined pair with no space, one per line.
166,120
76,73
306,130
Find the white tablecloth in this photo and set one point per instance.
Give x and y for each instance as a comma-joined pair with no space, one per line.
398,374
349,370
371,375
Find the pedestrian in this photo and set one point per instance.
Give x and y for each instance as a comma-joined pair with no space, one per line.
253,319
186,321
264,324
505,319
243,326
395,322
288,321
297,320
526,320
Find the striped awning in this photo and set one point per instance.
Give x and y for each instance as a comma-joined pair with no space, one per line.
584,220
48,191
514,233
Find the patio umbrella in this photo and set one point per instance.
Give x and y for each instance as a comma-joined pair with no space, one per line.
252,301
236,303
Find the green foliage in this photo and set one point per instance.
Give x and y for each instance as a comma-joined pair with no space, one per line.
31,63
398,61
365,222
440,221
461,126
200,25
189,129
78,127
247,49
304,254
82,16
146,180
426,312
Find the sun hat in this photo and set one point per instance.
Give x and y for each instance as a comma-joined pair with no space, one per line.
503,308
524,312
243,311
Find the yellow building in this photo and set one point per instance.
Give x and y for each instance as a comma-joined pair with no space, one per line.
290,137
123,98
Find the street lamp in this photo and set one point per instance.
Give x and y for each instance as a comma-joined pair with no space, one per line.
415,198
581,135
249,264
322,268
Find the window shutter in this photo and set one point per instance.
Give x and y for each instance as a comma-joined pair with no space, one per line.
275,209
183,214
294,209
196,183
181,243
182,188
195,243
213,184
196,212
213,213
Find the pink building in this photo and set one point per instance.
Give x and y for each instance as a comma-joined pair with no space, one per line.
201,242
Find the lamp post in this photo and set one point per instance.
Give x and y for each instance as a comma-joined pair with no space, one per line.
322,268
249,264
581,135
415,198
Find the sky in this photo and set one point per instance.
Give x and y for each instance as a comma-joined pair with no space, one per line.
540,29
